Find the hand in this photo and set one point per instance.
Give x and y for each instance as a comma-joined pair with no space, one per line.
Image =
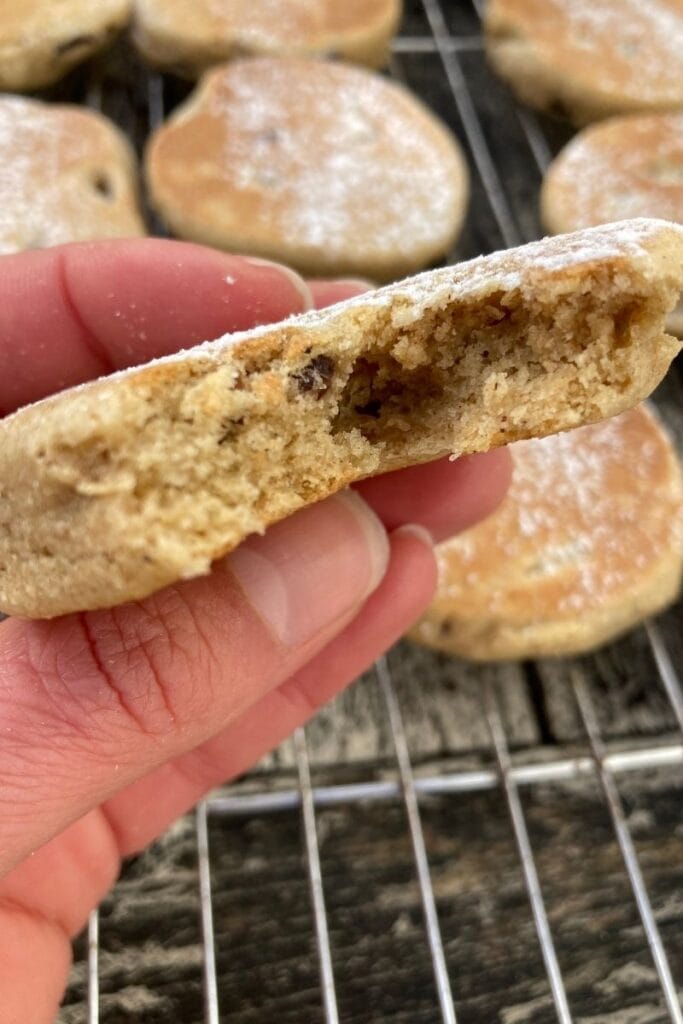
113,723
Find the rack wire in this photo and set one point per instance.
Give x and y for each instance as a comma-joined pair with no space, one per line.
508,776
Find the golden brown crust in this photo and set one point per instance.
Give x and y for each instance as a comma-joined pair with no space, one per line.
588,542
114,489
41,40
588,60
67,175
188,36
326,167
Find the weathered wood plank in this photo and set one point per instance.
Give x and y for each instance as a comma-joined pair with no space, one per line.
151,962
624,685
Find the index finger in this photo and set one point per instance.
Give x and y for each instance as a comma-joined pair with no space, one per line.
75,312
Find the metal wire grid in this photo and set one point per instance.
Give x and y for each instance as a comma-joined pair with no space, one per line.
601,764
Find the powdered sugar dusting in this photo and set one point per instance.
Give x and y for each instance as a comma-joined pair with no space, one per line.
629,49
508,270
587,512
29,174
288,25
626,167
268,24
505,269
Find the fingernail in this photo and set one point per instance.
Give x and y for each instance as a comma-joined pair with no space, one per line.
420,533
360,283
313,569
294,279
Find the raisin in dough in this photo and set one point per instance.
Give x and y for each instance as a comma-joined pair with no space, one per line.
329,168
67,175
40,40
625,167
587,542
188,36
588,60
117,488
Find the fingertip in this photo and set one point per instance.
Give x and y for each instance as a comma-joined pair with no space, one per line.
75,312
412,548
443,496
327,292
416,532
487,476
281,273
144,298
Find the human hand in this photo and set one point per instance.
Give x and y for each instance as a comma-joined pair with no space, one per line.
113,723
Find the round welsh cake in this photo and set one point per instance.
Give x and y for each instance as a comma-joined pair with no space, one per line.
329,168
588,541
67,175
585,59
40,40
114,489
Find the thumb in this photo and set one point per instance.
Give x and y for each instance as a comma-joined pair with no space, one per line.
90,703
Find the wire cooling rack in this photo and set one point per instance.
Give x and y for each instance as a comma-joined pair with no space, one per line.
446,38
